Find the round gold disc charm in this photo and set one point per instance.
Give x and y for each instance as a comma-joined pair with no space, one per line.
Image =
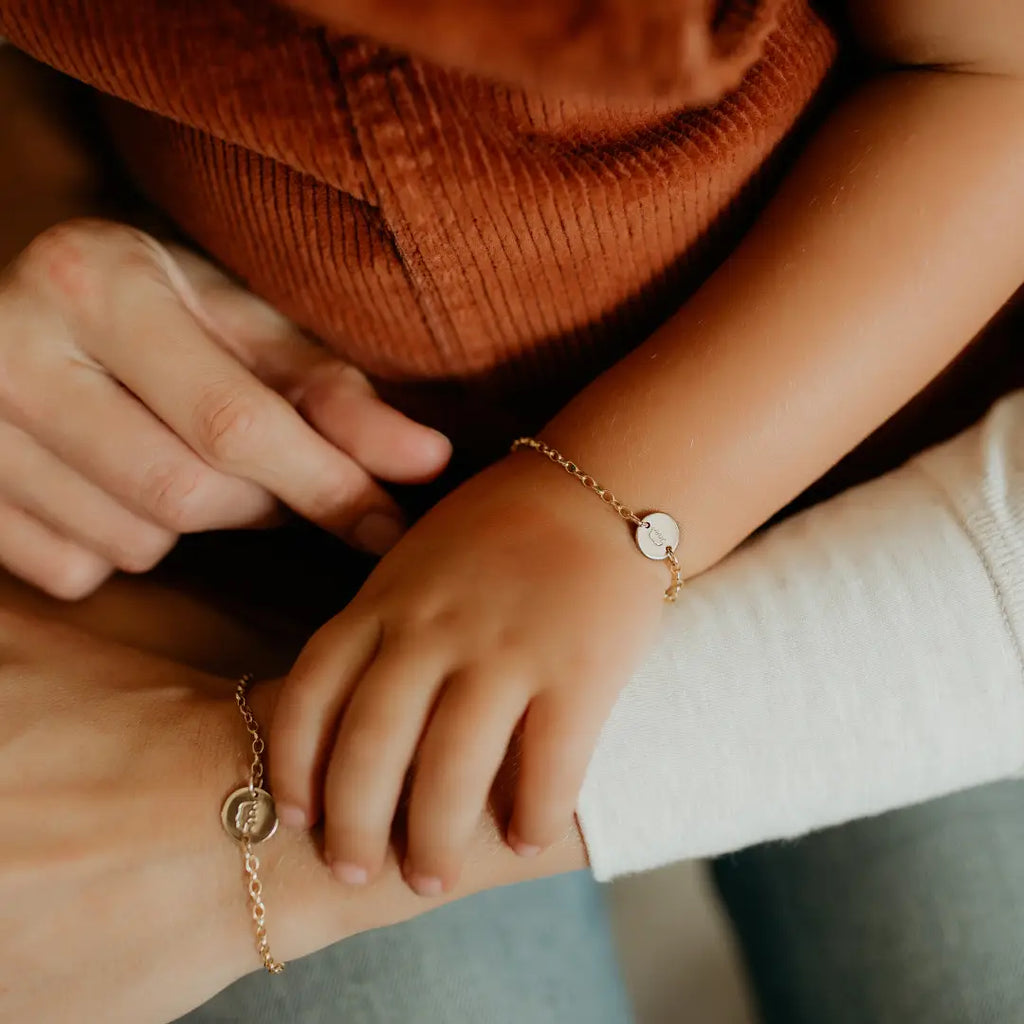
656,534
253,808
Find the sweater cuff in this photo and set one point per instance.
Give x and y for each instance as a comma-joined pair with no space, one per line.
981,475
861,656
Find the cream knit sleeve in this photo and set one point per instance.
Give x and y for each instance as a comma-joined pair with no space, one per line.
861,656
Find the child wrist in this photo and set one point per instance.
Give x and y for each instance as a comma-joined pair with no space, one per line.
657,534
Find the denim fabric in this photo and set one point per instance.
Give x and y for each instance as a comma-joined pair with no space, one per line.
535,953
912,917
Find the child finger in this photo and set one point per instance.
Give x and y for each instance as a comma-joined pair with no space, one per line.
308,709
558,738
459,757
374,747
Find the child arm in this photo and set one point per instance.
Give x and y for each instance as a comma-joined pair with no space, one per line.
516,608
898,234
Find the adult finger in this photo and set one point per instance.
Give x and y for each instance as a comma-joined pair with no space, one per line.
381,439
332,395
54,564
233,421
92,424
36,481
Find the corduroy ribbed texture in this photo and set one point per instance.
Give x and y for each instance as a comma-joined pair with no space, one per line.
483,250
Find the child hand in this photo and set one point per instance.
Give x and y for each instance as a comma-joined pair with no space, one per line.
518,595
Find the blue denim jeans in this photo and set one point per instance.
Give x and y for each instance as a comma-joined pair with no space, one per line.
535,953
912,917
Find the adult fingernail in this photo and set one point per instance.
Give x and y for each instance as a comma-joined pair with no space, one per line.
378,532
350,874
291,816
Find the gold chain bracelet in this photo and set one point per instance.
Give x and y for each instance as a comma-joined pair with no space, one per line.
657,533
250,818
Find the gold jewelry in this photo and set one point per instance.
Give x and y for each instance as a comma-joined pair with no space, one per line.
250,818
657,533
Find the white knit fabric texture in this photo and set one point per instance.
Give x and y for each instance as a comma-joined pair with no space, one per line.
861,656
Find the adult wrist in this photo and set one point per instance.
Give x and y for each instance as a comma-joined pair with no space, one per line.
307,908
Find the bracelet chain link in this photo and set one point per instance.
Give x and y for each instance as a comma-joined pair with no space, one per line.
667,551
240,813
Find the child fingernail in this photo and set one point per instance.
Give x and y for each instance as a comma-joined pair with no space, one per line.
521,848
378,532
425,885
350,874
291,816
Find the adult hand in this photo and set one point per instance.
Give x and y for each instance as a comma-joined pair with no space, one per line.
143,394
110,766
123,900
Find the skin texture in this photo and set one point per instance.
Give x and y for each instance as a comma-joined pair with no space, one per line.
475,637
110,449
704,425
855,292
113,766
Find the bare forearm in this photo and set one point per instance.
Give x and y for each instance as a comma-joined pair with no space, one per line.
896,237
308,906
161,888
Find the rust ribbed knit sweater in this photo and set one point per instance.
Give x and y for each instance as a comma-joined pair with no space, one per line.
482,203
